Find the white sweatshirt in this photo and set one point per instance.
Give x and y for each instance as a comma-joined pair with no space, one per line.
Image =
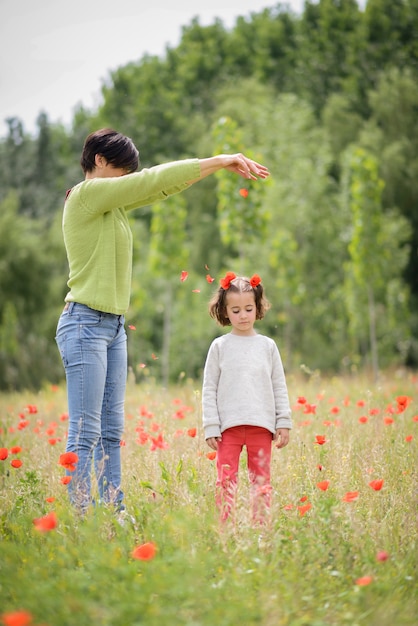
244,384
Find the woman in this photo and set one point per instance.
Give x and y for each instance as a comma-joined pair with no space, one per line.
91,336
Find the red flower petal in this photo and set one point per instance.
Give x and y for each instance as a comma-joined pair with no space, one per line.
46,523
184,276
145,552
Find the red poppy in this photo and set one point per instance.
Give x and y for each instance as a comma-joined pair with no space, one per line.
243,193
49,500
408,438
158,442
16,463
211,455
335,410
192,432
15,450
364,580
209,278
46,523
66,480
68,460
320,439
132,327
301,400
388,420
350,496
32,408
17,618
382,556
323,485
255,280
288,507
145,552
225,282
360,403
310,408
376,484
402,402
415,418
363,419
184,276
4,453
304,509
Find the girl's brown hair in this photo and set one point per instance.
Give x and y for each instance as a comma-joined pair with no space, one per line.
239,284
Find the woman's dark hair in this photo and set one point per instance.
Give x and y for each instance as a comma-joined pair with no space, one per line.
118,150
240,284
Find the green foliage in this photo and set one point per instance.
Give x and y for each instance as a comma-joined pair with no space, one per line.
299,91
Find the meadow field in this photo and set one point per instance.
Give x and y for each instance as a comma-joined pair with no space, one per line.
340,547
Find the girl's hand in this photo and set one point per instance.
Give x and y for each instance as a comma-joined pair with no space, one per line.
282,437
213,442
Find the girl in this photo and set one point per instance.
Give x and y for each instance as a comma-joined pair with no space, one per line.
245,399
91,335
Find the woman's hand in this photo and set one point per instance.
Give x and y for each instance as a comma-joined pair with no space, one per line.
235,163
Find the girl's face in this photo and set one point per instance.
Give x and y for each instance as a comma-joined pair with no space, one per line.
241,310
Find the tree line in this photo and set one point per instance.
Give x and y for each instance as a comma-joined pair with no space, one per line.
328,100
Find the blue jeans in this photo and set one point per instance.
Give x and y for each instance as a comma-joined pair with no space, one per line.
93,349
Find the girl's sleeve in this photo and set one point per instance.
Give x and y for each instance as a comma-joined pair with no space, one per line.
281,396
100,195
211,374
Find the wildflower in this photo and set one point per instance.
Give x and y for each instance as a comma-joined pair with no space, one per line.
402,402
335,410
50,499
323,485
360,403
132,327
376,484
388,420
15,450
304,509
408,438
288,507
64,417
32,408
16,618
302,400
382,556
320,440
158,442
364,580
145,552
16,463
211,455
243,193
415,418
66,480
46,523
69,460
309,408
192,432
209,278
4,453
363,419
350,496
303,498
184,276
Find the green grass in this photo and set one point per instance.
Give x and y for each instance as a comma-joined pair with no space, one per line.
299,570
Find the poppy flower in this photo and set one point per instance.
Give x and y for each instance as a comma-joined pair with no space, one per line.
16,618
46,523
309,408
50,499
402,402
16,463
184,276
350,496
158,442
320,440
4,453
301,400
388,420
66,480
145,552
323,485
15,450
225,282
408,438
209,278
192,432
243,193
211,455
132,327
363,419
376,484
304,508
364,581
255,280
382,556
69,460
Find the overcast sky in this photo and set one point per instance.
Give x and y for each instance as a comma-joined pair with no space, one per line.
55,55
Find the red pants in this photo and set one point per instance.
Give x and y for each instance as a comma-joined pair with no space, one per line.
258,443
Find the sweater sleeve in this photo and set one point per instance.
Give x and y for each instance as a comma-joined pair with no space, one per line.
100,195
211,419
281,397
